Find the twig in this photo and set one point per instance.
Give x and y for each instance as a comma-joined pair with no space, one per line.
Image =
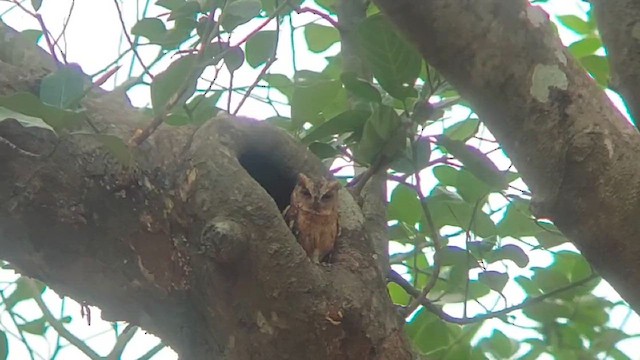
435,237
326,17
21,336
18,149
404,284
264,70
142,134
152,352
45,32
57,324
126,35
121,342
63,33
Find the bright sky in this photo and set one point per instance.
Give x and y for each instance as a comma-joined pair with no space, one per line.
93,37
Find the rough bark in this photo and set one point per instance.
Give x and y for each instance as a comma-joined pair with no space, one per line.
619,26
577,153
187,240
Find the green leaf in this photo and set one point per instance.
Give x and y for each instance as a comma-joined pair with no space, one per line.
383,136
598,67
328,5
549,279
360,88
550,236
36,4
29,104
31,36
528,285
63,87
395,63
202,108
23,291
428,332
238,12
261,47
180,33
189,10
4,346
446,175
608,338
346,122
404,205
584,47
499,345
24,120
234,58
270,6
473,190
547,311
476,162
463,130
576,24
494,279
36,327
150,28
517,221
115,145
319,37
312,93
281,83
456,256
171,4
509,252
323,151
398,295
182,74
415,158
591,310
448,209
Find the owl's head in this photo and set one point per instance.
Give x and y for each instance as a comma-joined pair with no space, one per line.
317,196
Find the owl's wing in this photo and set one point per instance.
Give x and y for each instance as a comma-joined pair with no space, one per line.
290,215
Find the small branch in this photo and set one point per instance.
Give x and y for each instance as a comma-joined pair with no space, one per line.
406,286
45,32
264,70
63,33
20,335
58,326
152,352
19,150
435,237
122,341
325,16
126,35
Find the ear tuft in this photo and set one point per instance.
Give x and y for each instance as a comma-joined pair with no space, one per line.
303,179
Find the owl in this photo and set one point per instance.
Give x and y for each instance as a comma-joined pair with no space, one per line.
312,216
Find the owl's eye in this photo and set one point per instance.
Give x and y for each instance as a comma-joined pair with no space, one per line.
327,196
306,193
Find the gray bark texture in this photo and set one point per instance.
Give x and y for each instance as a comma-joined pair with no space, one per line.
185,238
573,148
619,26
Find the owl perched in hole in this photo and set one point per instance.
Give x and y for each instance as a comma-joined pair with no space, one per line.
312,216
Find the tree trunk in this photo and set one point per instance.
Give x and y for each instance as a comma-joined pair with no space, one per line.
183,235
573,148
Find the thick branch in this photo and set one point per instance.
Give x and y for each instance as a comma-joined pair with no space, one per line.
187,240
576,152
619,27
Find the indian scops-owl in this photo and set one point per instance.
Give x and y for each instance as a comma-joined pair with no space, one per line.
312,216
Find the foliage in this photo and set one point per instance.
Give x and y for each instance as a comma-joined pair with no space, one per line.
459,221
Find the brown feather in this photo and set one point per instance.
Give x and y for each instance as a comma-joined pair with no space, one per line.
312,216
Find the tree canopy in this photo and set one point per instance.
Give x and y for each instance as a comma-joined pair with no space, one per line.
489,197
